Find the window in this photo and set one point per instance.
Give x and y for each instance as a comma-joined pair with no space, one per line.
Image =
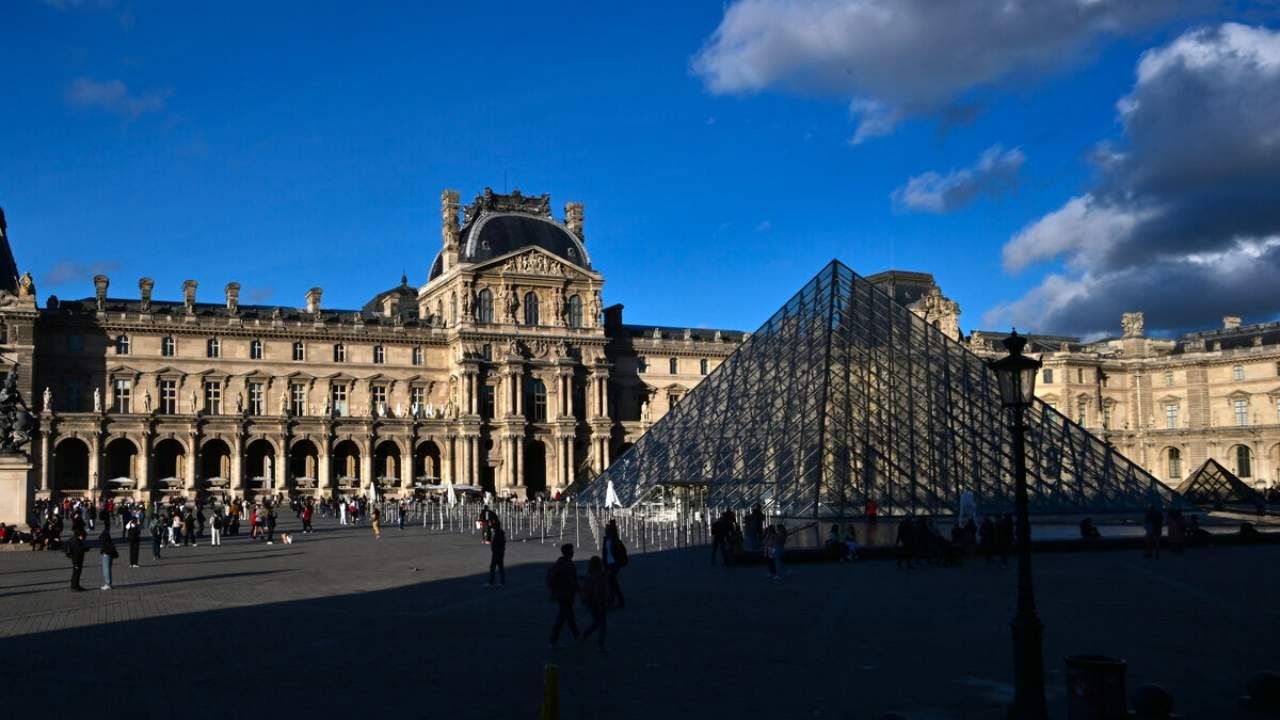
213,348
169,397
1171,415
530,308
1048,376
257,400
672,399
378,395
702,366
418,398
487,401
298,399
379,354
255,349
1241,408
123,390
168,346
484,307
1104,377
453,309
1082,410
538,391
1168,378
642,365
417,356
575,311
1244,462
338,396
122,344
299,352
339,353
673,366
75,343
1237,373
1106,416
74,393
213,397
1079,375
1175,463
486,351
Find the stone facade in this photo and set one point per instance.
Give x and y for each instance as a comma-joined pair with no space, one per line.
500,372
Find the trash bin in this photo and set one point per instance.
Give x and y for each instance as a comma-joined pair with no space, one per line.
1095,688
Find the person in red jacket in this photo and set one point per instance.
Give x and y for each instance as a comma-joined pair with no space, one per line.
307,511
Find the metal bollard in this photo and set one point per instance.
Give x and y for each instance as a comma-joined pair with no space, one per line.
550,692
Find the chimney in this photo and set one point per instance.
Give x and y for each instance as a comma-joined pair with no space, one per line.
1230,322
100,283
189,295
449,204
573,219
313,300
233,297
144,290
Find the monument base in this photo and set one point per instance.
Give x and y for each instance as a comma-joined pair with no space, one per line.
15,489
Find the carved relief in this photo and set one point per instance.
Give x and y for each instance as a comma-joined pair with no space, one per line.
489,201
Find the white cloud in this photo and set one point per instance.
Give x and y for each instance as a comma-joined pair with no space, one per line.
1183,220
995,173
114,96
764,226
894,58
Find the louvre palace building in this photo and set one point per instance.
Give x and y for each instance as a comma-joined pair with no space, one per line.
503,370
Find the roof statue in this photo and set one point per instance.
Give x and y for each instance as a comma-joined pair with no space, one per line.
489,201
846,396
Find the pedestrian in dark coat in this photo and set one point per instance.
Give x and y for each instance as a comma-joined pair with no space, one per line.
134,534
562,581
75,551
614,554
595,594
107,547
157,535
497,553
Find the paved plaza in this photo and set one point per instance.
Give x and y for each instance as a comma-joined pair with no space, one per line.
339,623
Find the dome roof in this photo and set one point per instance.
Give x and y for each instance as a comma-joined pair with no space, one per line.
408,300
494,234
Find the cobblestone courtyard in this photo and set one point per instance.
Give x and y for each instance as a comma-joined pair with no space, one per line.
339,623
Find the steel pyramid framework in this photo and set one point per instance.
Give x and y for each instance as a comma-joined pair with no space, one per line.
846,396
1213,484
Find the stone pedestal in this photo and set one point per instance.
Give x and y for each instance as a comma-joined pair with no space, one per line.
15,489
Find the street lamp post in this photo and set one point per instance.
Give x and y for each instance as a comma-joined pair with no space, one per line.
1016,374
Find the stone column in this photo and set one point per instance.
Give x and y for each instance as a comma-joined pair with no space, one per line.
193,461
46,452
406,467
237,483
95,465
368,475
144,464
324,461
446,459
281,467
518,479
464,477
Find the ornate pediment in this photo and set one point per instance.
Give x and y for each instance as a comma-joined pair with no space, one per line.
534,261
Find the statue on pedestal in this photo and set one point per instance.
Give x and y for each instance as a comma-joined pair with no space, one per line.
97,400
284,403
194,409
146,401
16,422
48,399
239,403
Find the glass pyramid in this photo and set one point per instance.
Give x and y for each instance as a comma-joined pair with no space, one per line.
1213,485
846,396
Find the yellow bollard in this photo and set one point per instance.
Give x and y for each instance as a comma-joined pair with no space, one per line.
551,692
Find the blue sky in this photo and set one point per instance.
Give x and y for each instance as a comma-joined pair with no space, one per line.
724,152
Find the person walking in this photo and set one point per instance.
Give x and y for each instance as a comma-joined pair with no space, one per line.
614,554
1153,524
270,522
904,542
107,547
497,554
595,594
189,530
307,511
157,535
401,509
375,521
719,537
562,582
779,550
134,535
75,551
215,530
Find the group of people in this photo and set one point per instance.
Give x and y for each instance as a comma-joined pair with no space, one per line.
599,588
919,541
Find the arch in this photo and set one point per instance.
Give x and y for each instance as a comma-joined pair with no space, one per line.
215,463
386,461
1241,457
531,308
122,465
260,461
484,306
426,462
304,463
486,478
535,467
71,465
1172,463
346,463
170,464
